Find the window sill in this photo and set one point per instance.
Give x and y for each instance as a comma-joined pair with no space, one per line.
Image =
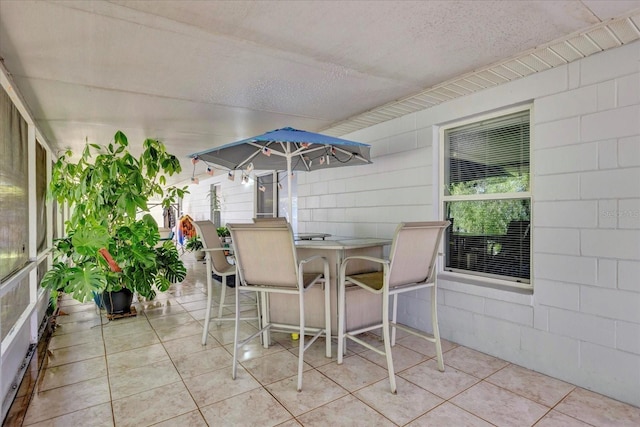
485,287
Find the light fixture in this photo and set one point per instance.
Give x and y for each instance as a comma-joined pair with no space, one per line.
210,170
194,160
231,176
262,188
249,167
245,179
266,151
195,180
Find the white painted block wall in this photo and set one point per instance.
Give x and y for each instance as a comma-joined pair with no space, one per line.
582,322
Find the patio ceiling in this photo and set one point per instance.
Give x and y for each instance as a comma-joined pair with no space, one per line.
198,74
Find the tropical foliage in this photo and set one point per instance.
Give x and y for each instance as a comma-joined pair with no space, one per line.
112,240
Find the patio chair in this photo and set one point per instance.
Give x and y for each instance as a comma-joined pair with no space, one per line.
267,263
411,266
218,264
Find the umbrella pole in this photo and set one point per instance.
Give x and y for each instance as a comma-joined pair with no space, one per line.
290,201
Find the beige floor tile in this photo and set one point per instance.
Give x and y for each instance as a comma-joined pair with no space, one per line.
70,328
316,355
153,406
596,409
317,390
273,367
473,362
218,385
224,333
137,380
130,342
408,403
203,361
346,411
499,406
253,408
423,346
444,384
82,337
191,297
290,423
119,362
124,327
403,358
188,345
65,400
100,416
532,385
254,349
180,331
354,373
72,373
196,305
76,353
190,419
448,415
558,419
78,316
171,320
165,310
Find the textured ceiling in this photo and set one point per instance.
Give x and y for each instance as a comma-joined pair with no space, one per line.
197,74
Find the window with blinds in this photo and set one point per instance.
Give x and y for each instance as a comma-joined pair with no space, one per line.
486,195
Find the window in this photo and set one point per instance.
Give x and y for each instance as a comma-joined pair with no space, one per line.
266,196
486,196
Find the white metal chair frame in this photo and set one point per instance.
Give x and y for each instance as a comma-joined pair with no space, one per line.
254,257
388,284
211,243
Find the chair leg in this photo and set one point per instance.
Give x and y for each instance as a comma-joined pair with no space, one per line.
327,317
387,341
394,318
301,340
223,296
341,309
236,333
436,330
266,336
207,317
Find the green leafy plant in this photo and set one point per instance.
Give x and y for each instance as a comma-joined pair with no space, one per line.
193,244
223,232
112,240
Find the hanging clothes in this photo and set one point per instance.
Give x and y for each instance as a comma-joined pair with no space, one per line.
169,217
186,229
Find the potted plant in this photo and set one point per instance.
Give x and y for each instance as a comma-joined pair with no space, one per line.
225,237
112,240
194,244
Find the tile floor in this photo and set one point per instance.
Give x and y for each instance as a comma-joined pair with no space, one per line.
153,370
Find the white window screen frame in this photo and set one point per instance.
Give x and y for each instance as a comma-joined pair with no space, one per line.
271,186
475,277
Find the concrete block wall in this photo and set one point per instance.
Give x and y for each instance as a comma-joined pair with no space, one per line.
581,323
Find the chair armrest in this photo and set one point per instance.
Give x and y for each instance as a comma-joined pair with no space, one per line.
214,249
311,258
365,258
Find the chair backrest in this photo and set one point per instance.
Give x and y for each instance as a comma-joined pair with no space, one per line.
265,254
208,234
414,252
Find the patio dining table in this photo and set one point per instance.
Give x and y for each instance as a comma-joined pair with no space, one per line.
284,308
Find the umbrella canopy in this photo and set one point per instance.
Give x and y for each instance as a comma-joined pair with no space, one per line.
287,149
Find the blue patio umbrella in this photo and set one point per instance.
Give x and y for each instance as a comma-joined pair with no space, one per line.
287,149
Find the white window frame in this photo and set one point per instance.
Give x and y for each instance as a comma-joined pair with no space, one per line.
478,278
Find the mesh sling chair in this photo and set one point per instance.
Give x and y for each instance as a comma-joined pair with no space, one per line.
217,263
267,263
411,266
